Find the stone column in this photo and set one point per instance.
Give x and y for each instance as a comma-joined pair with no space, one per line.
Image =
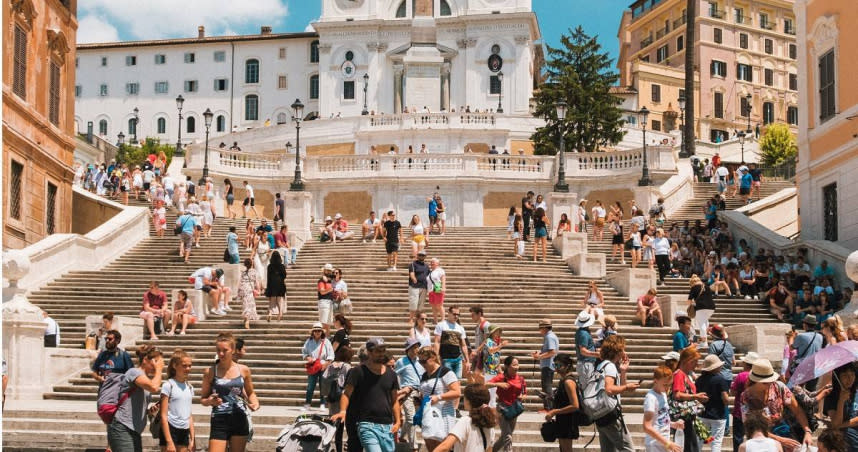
445,87
397,88
298,213
23,333
560,203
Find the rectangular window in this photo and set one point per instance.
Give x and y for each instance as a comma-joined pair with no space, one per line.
743,40
744,72
829,211
251,108
162,87
656,125
102,89
54,94
769,76
160,58
314,52
680,43
656,93
719,105
826,78
314,86
51,209
190,57
191,86
282,82
792,115
662,53
220,56
132,89
768,113
718,68
789,27
131,60
103,61
281,53
16,181
494,85
769,46
793,82
718,37
349,89
764,21
745,106
645,58
19,72
739,15
793,51
78,90
714,12
221,84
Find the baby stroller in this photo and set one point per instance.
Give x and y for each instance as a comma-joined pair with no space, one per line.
309,433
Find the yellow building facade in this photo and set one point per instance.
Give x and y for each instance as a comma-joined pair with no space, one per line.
38,118
828,125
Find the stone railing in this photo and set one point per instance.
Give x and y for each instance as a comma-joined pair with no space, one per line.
59,253
407,121
582,164
245,161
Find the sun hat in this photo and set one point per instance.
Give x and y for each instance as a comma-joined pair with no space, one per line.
493,329
671,356
545,323
809,319
750,358
328,218
711,363
762,372
421,253
317,326
584,319
328,267
337,216
718,331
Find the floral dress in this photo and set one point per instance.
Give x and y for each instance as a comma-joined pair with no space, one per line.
245,294
491,366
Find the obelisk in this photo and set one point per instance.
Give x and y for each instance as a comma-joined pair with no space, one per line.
423,61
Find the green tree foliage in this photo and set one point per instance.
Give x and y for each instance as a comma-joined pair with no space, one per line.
778,145
578,72
135,155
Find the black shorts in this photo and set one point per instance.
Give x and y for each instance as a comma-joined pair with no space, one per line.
225,426
146,186
180,436
391,247
617,240
433,219
745,191
249,202
207,288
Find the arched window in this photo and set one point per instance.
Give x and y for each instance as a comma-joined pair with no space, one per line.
192,124
445,8
314,86
402,10
162,125
220,123
132,127
251,107
282,118
102,127
314,51
251,71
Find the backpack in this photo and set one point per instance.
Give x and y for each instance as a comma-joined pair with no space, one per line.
594,399
330,387
109,397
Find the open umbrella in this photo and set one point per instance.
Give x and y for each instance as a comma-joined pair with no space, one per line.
824,361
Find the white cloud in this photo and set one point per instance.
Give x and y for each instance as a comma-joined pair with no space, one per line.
96,29
156,19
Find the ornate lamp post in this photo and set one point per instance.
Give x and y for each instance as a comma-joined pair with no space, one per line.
645,180
120,139
208,118
561,185
748,109
298,114
683,153
179,102
365,86
136,121
742,144
500,91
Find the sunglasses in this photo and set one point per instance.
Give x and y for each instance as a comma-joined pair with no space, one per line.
423,318
455,314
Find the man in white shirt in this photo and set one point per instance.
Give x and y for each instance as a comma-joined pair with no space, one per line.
721,178
211,281
52,331
451,342
169,187
249,200
371,228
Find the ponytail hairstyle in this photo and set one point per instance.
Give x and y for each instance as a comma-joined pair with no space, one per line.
176,360
482,415
147,351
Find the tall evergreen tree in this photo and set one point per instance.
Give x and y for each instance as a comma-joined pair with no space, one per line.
578,72
688,134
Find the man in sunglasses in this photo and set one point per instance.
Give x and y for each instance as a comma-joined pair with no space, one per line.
112,359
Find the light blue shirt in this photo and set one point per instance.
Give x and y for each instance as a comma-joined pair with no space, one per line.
549,342
409,372
232,243
187,222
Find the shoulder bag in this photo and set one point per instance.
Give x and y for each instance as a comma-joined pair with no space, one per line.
155,419
178,229
511,411
418,413
316,366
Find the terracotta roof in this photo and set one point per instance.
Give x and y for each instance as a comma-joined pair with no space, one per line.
205,40
623,90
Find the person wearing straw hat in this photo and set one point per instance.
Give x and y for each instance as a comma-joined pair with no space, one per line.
737,389
550,347
767,394
585,346
492,361
716,387
316,348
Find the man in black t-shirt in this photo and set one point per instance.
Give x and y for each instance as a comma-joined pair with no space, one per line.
418,271
373,388
756,178
392,238
526,213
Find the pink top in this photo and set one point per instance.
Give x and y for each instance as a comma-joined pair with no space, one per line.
738,387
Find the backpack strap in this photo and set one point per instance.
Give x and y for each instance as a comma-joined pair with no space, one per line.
483,435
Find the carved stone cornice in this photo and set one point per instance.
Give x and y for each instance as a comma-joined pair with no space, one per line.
522,39
58,45
25,11
325,48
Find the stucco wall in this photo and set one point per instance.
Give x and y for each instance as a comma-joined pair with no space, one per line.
353,205
88,213
496,206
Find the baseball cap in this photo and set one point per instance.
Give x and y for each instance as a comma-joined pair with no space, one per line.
375,342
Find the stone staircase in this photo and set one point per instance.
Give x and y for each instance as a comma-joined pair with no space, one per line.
481,271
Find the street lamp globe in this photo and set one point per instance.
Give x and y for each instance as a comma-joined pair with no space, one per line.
288,147
179,102
561,106
644,114
682,101
298,109
120,139
208,117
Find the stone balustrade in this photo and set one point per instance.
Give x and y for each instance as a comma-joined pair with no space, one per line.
407,121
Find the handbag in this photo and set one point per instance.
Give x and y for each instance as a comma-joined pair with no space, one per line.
155,419
345,306
418,413
316,366
628,244
548,430
226,255
511,411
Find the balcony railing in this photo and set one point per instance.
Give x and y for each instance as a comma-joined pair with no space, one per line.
744,20
679,22
428,120
767,25
660,34
646,42
790,30
717,14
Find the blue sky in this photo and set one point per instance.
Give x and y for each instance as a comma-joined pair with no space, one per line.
111,20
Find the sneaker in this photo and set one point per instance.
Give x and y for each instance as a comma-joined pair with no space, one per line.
323,407
226,308
393,269
218,312
756,297
363,241
305,407
747,297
